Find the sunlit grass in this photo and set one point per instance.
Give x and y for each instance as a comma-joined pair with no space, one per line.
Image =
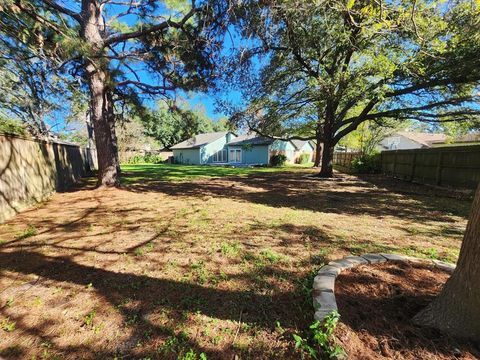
173,172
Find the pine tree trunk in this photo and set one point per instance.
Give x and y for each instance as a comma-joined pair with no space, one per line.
456,310
102,114
104,125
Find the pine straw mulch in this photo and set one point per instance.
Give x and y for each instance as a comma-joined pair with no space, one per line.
377,303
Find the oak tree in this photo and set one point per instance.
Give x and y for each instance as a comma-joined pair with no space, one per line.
319,69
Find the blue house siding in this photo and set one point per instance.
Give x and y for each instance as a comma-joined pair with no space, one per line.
209,150
253,155
203,154
187,156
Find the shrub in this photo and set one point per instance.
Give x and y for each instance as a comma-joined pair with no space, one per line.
136,159
153,159
278,160
145,159
12,127
304,158
367,164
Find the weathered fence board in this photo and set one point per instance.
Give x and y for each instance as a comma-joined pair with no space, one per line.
30,170
455,166
344,158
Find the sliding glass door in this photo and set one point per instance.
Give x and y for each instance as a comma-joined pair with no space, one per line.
235,156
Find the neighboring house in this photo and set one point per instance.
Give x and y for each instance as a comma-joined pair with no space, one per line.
227,148
404,140
303,147
468,139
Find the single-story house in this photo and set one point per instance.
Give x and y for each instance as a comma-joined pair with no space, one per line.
303,147
227,148
404,140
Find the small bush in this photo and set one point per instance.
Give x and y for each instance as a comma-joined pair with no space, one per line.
153,159
367,164
145,159
278,160
136,159
304,158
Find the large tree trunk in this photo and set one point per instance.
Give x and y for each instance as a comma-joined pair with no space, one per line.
457,309
104,124
326,169
102,114
318,153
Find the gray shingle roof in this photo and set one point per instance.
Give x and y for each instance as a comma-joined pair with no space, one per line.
299,143
200,140
251,139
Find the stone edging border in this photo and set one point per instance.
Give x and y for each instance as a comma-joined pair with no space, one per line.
324,283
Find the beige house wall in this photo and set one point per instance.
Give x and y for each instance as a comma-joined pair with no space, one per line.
31,170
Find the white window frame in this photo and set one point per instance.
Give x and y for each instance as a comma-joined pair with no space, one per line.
220,156
235,152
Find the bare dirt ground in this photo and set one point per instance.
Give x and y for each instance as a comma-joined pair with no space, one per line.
169,270
378,302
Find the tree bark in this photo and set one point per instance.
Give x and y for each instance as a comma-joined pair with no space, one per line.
98,79
326,171
104,124
456,310
318,153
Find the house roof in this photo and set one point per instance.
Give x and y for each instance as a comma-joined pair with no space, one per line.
299,144
425,139
200,140
251,139
472,137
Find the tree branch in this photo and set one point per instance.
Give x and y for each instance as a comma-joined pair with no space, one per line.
116,38
62,9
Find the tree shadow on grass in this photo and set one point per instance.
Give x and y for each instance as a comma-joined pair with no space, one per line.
345,195
151,296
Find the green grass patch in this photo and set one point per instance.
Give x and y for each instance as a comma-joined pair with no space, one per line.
173,172
230,249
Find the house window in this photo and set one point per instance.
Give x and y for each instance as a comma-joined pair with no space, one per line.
235,155
220,156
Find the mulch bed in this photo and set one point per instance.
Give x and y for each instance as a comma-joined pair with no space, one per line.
377,303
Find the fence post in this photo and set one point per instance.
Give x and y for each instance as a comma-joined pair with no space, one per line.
438,177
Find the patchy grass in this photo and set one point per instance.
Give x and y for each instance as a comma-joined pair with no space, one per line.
177,264
175,172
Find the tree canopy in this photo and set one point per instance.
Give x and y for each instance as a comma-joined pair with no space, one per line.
319,69
107,48
174,122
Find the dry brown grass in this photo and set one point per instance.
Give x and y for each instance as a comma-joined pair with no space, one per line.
220,266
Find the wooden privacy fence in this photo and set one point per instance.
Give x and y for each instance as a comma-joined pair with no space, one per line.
345,158
455,166
30,170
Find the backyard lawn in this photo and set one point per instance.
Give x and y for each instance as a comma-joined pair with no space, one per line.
184,260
